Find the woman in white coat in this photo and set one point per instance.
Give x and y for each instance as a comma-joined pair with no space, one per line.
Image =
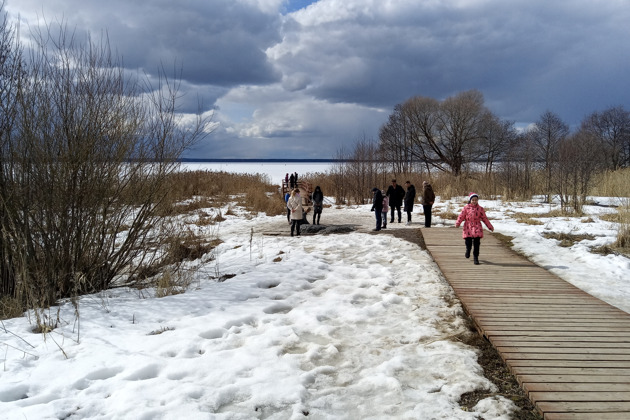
295,206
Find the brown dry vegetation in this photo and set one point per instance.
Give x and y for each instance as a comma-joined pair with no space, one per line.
567,240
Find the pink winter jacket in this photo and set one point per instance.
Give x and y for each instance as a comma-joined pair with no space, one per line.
472,216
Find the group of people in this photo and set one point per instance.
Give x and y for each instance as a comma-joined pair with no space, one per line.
292,180
471,216
395,197
296,215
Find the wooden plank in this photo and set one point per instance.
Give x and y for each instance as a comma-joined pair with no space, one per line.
575,332
563,344
486,316
559,328
585,407
568,363
546,371
587,416
566,351
572,378
596,323
565,356
593,387
580,396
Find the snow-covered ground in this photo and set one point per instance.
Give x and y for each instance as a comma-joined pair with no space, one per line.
347,326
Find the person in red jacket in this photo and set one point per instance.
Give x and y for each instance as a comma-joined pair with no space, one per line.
472,215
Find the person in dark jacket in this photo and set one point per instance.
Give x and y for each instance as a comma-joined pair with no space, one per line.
428,198
395,193
410,197
318,204
377,207
292,181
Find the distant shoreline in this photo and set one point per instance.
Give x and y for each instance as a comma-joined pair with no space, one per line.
192,160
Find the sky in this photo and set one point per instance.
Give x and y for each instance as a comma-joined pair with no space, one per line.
304,79
339,326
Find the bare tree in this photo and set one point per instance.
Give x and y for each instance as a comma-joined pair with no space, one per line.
443,135
546,135
610,131
363,168
498,137
518,168
11,72
83,183
421,116
395,142
577,165
340,176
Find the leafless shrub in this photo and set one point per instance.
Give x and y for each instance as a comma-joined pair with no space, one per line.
84,167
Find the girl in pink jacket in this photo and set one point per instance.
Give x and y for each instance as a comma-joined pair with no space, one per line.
472,215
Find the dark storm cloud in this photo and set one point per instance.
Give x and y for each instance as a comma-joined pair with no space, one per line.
219,42
299,78
527,55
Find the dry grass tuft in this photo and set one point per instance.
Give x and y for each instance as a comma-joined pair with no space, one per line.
10,307
567,240
161,330
527,218
623,236
611,217
171,283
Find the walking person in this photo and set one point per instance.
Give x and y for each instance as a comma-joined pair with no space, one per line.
385,209
428,198
377,207
318,204
410,197
396,193
295,205
472,215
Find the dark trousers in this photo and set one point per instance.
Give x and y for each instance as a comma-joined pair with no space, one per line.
408,216
289,214
317,214
295,226
473,243
396,207
427,215
378,215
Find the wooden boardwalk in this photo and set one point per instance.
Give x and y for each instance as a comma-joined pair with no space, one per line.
569,350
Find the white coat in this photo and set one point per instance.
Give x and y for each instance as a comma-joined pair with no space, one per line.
295,205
